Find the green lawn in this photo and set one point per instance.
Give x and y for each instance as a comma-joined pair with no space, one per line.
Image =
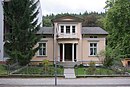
3,70
99,71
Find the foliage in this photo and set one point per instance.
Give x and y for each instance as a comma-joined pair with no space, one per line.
91,19
36,70
21,16
109,4
3,69
92,68
110,57
99,71
46,65
117,23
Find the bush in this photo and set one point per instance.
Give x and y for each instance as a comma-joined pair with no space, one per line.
92,68
46,65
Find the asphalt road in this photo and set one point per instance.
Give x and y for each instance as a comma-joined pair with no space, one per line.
79,82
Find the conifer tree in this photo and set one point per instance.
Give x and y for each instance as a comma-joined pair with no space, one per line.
21,16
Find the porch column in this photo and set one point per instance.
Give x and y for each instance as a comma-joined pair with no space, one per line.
63,57
72,52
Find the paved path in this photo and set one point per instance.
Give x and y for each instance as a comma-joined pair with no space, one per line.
80,82
69,73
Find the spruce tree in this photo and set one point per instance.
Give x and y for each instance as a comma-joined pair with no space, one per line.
21,16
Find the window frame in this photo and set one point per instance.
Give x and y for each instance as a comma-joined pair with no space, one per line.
42,48
65,30
93,48
61,29
73,29
68,29
93,36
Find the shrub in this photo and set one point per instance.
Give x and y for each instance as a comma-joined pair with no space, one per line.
92,68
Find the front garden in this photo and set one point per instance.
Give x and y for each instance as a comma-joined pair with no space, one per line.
40,70
92,70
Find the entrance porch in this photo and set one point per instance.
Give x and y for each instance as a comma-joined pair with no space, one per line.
67,52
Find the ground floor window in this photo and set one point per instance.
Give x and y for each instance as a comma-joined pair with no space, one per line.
42,49
93,49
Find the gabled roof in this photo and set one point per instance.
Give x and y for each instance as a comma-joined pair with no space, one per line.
93,30
45,30
67,18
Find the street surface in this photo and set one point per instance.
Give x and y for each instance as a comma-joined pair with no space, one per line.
78,82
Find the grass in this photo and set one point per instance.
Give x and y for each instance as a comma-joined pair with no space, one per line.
3,70
41,71
98,71
128,70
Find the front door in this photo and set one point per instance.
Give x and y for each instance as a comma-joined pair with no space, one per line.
128,63
68,52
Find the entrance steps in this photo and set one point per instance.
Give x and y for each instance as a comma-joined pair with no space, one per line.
68,64
69,73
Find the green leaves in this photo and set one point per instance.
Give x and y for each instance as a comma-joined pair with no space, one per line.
118,26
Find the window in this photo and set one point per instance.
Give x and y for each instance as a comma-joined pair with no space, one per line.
93,36
42,49
93,49
73,29
62,29
67,29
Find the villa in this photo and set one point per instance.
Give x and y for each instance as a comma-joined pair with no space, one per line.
68,41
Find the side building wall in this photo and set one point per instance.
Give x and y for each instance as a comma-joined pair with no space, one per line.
49,49
86,48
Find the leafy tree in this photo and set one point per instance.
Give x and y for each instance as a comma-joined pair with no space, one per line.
109,3
21,16
117,23
90,21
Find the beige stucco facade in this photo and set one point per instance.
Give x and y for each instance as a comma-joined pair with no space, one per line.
71,45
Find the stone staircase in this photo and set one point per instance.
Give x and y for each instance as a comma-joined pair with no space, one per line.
69,72
68,64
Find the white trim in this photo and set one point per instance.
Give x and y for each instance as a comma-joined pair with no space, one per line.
89,49
65,28
45,49
105,42
58,52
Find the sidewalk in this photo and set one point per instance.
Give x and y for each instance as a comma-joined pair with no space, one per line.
61,81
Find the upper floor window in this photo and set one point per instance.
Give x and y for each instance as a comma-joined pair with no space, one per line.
67,29
93,36
42,49
93,49
62,29
73,29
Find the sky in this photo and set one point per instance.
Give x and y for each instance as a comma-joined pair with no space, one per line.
71,6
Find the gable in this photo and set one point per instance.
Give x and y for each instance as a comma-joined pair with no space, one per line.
67,18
